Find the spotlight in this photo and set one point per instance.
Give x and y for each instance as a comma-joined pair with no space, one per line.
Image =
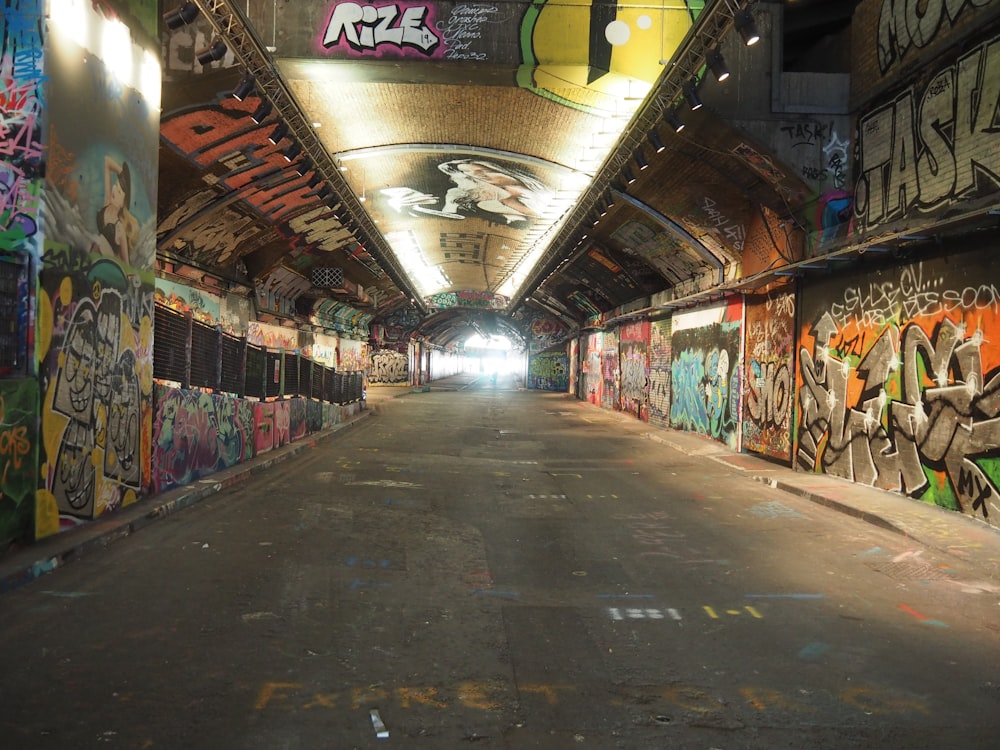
717,65
303,167
263,110
242,91
674,120
747,27
629,177
641,160
279,132
315,180
323,192
292,152
654,140
213,53
691,94
182,16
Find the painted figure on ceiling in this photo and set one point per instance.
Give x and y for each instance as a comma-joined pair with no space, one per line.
481,185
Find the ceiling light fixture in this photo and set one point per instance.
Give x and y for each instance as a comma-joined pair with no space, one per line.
656,142
182,16
674,120
303,167
263,110
242,91
279,132
213,53
691,94
292,152
717,65
747,27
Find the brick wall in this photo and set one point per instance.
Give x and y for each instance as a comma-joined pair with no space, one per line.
891,40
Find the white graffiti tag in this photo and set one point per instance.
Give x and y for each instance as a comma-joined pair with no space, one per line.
368,27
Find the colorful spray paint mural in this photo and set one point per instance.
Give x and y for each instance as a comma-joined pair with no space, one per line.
196,434
21,98
769,364
659,372
633,356
609,370
21,168
899,381
705,372
549,371
593,382
95,307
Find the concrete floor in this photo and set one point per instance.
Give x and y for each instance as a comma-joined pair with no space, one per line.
497,568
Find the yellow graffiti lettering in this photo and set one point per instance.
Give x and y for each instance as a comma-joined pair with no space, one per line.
691,698
323,700
473,695
765,699
370,694
551,692
877,701
424,696
273,691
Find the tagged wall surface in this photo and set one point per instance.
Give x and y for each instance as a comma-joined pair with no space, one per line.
705,371
549,371
899,380
769,375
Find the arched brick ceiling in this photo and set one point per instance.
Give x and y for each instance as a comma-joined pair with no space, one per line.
467,138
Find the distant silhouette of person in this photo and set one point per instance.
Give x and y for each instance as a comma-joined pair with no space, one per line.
485,186
115,221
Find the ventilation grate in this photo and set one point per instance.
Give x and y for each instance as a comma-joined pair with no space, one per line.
328,278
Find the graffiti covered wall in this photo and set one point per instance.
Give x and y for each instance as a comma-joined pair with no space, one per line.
18,459
659,372
609,370
196,434
769,367
21,98
388,367
21,169
929,150
899,378
593,383
95,309
705,371
633,351
549,371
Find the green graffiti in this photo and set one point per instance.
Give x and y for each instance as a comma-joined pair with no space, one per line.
18,458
